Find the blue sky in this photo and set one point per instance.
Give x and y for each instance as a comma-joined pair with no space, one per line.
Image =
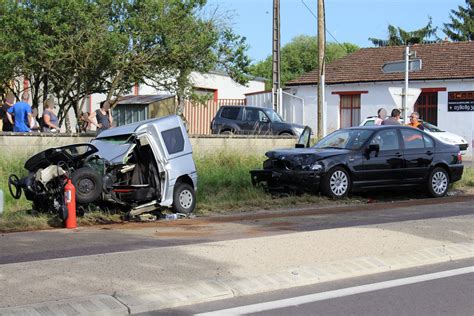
351,21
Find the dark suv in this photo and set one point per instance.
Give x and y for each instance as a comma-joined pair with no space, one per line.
251,120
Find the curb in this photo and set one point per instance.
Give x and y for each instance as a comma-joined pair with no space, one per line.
202,291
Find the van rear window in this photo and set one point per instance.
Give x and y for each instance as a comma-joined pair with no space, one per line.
174,140
230,113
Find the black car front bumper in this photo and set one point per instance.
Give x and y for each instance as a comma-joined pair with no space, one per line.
275,179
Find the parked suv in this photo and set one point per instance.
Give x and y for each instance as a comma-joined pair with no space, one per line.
251,120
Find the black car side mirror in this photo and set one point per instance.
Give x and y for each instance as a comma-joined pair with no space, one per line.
371,148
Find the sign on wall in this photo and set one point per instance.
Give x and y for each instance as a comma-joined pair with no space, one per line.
461,101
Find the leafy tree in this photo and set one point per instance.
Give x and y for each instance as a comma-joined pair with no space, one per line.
298,57
398,36
73,48
461,27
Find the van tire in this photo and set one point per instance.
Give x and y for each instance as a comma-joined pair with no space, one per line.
184,198
88,184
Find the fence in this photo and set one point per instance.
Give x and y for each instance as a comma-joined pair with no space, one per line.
199,116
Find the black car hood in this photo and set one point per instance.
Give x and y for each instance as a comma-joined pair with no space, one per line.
299,158
317,153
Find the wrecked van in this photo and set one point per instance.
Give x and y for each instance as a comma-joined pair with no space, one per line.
136,168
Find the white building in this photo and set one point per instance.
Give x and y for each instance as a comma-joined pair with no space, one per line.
356,87
219,84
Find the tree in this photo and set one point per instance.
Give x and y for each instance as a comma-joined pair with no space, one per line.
398,36
298,57
74,48
461,27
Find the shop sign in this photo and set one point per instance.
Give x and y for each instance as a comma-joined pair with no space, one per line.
461,101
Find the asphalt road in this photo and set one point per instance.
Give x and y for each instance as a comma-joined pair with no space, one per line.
439,295
61,243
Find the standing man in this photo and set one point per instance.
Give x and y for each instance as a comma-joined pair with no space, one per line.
22,113
394,118
414,121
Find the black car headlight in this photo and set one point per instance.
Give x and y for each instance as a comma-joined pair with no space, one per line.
315,166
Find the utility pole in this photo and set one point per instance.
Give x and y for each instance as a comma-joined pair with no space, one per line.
321,66
276,56
405,92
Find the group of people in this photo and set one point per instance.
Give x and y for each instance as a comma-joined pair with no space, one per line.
21,117
394,118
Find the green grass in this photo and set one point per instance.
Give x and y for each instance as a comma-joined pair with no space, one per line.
467,181
224,186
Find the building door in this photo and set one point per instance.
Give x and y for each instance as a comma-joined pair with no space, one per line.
350,110
427,107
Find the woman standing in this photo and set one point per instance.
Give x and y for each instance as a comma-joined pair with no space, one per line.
103,117
50,120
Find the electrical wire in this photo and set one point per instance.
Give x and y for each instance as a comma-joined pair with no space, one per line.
327,31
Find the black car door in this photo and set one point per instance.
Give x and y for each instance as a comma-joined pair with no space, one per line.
418,149
385,167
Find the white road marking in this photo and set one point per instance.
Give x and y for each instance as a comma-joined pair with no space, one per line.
295,301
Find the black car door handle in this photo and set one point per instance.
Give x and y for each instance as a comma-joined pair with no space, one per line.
429,152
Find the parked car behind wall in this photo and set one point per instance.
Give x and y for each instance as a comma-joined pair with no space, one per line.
250,120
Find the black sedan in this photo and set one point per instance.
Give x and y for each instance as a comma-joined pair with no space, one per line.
361,159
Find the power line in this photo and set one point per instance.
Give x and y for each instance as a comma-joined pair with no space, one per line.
327,31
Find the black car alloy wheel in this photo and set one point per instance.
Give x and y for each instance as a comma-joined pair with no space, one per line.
438,182
336,183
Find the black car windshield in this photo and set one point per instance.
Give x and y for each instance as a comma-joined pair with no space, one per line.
274,116
352,139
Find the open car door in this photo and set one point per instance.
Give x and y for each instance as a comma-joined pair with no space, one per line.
305,138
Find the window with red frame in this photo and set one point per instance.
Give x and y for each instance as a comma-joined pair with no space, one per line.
350,110
427,107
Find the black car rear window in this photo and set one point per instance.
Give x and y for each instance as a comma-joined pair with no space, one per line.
231,113
174,140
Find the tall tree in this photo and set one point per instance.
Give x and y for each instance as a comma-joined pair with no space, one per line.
461,27
81,47
398,36
298,57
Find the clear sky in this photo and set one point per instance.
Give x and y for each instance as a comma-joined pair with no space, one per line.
351,21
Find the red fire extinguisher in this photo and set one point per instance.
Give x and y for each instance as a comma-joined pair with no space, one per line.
70,200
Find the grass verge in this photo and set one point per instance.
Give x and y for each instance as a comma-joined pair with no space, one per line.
224,186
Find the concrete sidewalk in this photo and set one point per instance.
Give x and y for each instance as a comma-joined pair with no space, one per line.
152,279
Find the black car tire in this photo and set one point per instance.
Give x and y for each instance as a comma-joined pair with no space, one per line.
286,134
88,184
336,183
438,182
184,198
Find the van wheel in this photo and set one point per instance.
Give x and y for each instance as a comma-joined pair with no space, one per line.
438,182
88,184
336,184
184,198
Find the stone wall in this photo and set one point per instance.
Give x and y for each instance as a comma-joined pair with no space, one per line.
26,144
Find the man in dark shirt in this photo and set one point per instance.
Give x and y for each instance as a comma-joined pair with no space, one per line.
394,118
7,126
